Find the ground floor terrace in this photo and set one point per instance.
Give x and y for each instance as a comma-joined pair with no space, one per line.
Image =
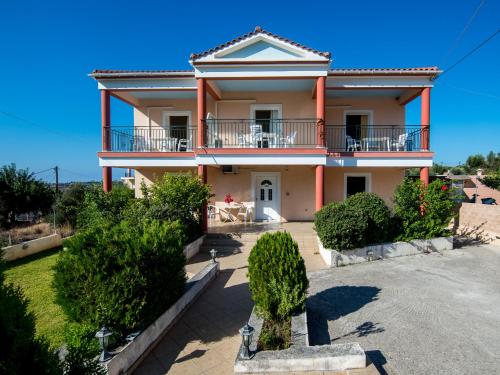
281,193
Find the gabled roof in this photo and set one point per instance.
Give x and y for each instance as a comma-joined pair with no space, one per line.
257,31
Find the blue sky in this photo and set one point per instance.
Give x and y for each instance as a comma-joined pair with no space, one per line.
48,48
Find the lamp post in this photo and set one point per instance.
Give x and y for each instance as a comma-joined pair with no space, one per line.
246,334
103,336
213,254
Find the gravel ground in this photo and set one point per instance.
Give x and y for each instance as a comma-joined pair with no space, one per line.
424,314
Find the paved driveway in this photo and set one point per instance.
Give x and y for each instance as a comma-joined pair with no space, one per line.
425,314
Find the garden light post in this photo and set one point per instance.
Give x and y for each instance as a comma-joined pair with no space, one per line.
103,336
213,254
246,333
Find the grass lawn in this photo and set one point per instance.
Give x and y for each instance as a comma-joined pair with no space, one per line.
34,275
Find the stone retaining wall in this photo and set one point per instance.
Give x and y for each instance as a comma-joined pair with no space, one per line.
31,247
193,248
334,258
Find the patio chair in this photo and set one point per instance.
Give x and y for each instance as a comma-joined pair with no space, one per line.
400,144
185,144
212,211
243,140
245,213
352,144
256,135
289,140
225,216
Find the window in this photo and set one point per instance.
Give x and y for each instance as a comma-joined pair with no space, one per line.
356,183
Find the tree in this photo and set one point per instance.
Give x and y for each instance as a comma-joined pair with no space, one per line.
474,162
438,169
69,204
21,192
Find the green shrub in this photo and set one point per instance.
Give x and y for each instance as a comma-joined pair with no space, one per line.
179,197
277,276
122,276
104,209
341,227
82,350
21,352
422,212
376,211
69,204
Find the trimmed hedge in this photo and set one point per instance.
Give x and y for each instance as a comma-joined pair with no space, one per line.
341,227
277,276
376,212
122,276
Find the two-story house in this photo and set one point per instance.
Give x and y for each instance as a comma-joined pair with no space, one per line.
267,120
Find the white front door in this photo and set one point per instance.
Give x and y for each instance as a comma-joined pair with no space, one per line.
267,204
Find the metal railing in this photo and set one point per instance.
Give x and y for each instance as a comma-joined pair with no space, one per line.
351,138
150,139
255,133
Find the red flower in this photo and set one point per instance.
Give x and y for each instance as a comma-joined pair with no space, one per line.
228,199
444,188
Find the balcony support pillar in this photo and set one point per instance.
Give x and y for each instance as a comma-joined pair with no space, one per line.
320,183
107,174
320,110
425,117
425,120
202,109
202,174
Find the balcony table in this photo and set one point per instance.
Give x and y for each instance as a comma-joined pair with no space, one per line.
376,143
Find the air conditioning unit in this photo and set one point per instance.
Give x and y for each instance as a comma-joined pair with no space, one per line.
229,169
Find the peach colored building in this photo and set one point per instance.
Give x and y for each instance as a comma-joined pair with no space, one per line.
270,122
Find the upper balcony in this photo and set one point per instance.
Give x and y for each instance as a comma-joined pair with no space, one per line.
268,134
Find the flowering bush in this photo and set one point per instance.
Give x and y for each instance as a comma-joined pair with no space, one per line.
228,199
422,212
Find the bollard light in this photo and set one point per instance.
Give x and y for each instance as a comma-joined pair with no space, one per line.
103,336
246,334
213,254
369,255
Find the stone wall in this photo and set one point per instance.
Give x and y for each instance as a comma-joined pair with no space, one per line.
31,247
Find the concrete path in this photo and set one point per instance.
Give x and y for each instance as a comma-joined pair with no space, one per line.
206,339
425,314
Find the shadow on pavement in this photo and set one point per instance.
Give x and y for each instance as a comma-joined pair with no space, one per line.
333,303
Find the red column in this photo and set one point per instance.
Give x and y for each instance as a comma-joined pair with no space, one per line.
320,111
202,109
320,174
425,119
107,175
202,174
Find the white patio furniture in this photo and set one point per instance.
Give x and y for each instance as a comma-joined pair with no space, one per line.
245,213
212,211
256,135
376,144
400,144
352,144
243,140
289,140
185,144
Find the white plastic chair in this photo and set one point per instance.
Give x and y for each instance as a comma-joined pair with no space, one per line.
185,144
245,213
400,144
256,135
289,140
352,144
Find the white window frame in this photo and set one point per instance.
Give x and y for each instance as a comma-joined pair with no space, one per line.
166,118
368,181
266,107
368,112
